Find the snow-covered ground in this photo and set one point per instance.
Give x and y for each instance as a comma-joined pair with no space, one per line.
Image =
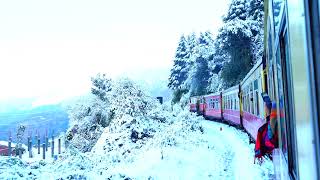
130,135
222,152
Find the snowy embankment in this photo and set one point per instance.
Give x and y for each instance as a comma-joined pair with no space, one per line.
215,154
222,152
129,135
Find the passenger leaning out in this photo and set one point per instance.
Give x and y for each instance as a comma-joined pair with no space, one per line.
267,137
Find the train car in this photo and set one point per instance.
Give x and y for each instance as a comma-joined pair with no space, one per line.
231,106
292,46
213,106
193,104
252,112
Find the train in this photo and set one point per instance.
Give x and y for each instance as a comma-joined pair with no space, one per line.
240,105
290,73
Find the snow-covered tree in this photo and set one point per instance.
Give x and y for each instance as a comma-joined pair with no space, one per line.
256,21
200,79
179,72
87,118
192,54
201,72
123,100
235,39
100,86
241,39
238,9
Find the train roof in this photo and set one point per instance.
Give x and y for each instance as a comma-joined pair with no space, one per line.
213,94
233,88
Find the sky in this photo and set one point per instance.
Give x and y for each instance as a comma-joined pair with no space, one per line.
50,49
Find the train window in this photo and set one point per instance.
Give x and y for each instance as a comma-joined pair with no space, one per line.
228,103
231,104
255,84
277,13
251,103
212,104
257,103
245,103
237,103
225,103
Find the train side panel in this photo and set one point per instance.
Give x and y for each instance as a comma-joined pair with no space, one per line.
213,106
231,110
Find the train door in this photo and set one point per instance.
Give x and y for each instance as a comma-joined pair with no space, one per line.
285,112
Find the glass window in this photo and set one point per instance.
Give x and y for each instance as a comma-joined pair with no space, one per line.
277,7
255,84
257,105
231,104
251,103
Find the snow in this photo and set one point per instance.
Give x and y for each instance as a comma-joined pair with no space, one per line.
224,155
143,140
215,154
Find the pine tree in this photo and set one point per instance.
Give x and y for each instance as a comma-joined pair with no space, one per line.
256,21
201,70
237,10
201,77
240,40
179,72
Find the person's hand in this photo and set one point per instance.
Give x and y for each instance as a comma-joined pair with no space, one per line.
259,160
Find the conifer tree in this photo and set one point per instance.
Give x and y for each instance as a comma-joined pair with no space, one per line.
179,72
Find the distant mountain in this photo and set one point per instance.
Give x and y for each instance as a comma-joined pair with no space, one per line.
49,118
12,105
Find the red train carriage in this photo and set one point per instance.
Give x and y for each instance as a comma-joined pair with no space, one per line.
231,107
213,106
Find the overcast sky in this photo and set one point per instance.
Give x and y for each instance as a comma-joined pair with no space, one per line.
49,49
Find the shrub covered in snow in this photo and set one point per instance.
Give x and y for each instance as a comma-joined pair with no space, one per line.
87,117
114,104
